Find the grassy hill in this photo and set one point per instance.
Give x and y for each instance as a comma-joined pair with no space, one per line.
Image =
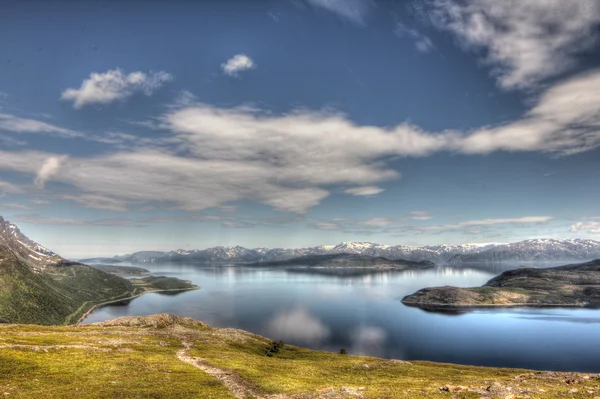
164,356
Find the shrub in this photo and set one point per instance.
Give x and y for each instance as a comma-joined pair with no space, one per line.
274,347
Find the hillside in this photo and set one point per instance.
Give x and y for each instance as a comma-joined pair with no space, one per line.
348,261
164,356
575,285
38,286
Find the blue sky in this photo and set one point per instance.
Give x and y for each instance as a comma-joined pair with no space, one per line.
289,123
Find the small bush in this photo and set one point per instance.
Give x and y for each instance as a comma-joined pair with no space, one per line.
343,351
274,347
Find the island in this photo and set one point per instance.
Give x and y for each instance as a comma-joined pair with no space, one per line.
576,285
345,260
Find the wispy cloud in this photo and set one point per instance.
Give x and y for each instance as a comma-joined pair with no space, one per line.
237,64
422,43
525,42
9,188
37,201
590,227
16,124
354,11
13,205
114,85
364,191
420,215
487,222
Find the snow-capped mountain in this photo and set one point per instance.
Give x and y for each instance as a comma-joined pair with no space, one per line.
11,239
539,250
524,251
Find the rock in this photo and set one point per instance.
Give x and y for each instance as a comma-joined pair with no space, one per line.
573,390
453,388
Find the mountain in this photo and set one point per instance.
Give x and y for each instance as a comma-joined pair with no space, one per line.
38,286
524,251
349,261
539,250
439,253
575,285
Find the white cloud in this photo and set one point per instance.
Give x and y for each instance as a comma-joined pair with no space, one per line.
420,215
591,227
366,190
525,42
16,124
216,156
565,120
298,326
113,85
49,169
354,11
422,42
37,201
237,64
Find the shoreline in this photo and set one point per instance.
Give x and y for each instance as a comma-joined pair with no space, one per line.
446,306
99,305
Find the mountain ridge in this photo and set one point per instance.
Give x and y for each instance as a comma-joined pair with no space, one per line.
522,251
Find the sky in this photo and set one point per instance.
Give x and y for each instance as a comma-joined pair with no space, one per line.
291,123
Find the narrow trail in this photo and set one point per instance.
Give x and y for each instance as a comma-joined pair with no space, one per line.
242,389
238,387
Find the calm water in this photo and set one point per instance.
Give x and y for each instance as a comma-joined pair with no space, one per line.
363,314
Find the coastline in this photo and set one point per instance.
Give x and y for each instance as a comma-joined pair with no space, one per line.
99,305
458,306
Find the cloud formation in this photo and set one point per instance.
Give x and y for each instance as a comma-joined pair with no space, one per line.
590,227
354,11
525,42
213,156
422,42
113,85
237,64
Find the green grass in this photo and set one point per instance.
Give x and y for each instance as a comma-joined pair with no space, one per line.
140,361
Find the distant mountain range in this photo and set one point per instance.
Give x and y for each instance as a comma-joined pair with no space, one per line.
538,250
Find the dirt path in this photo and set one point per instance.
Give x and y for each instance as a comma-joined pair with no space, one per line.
236,384
242,389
